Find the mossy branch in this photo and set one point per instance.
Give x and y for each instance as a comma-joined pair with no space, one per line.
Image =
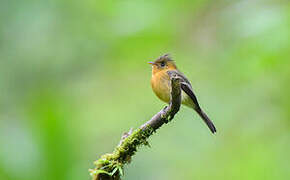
110,166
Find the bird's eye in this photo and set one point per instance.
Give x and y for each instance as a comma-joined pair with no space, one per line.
162,64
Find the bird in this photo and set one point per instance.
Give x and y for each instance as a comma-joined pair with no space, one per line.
160,83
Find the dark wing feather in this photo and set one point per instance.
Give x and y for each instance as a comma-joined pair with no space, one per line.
188,90
186,87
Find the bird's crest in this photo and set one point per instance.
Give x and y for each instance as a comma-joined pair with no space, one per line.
165,57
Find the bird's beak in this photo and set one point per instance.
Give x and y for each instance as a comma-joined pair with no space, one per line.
152,63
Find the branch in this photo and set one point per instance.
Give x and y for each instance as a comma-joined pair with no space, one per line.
110,166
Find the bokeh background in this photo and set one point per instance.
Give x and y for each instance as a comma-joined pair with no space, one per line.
73,78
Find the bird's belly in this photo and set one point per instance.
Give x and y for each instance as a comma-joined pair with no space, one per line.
186,100
162,91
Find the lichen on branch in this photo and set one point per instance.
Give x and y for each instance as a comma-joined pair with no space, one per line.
110,166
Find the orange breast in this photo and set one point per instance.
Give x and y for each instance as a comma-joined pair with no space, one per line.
160,85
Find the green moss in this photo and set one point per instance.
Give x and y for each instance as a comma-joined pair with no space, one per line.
113,164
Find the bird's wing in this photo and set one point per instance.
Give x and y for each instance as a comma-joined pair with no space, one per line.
188,90
186,87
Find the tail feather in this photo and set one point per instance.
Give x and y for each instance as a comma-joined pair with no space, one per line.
206,119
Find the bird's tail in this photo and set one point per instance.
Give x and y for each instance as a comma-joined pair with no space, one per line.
206,119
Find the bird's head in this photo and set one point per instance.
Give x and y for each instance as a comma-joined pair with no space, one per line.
163,63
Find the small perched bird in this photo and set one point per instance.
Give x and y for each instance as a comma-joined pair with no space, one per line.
160,83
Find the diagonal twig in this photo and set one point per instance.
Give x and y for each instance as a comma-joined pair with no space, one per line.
110,166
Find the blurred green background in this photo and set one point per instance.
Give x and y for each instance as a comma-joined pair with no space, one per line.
73,78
